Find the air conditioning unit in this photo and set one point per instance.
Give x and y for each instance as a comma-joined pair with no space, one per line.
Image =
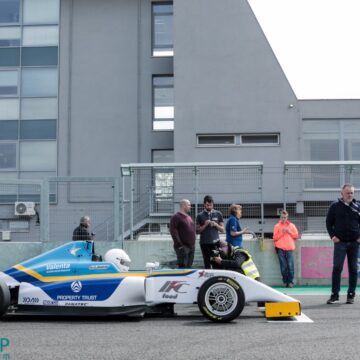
25,208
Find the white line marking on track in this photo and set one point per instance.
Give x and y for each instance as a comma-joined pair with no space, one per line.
294,319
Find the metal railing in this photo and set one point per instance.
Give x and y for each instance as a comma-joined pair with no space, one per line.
143,200
152,192
310,187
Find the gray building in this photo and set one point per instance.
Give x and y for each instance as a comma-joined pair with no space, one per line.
86,85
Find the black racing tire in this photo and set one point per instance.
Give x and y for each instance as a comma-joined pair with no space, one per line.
4,297
221,299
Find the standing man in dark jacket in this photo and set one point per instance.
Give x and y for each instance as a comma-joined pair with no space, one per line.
343,226
182,230
82,231
208,224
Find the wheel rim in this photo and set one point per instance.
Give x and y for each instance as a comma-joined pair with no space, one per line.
221,299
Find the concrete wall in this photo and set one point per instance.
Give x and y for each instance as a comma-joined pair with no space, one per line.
142,251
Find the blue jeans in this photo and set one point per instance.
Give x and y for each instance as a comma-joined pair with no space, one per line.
341,249
286,259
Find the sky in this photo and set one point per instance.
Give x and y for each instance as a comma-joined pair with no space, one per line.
317,43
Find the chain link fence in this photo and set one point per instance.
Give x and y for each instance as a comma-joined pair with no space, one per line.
143,200
76,197
152,193
50,209
310,188
19,210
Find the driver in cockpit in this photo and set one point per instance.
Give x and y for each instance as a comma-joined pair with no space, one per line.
119,258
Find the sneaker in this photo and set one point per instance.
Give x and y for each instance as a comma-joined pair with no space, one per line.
350,298
290,285
334,299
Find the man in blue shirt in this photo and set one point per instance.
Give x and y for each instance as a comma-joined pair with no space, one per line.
233,227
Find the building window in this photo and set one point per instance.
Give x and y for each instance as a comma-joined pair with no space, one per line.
9,11
162,29
8,130
9,56
216,140
39,82
260,139
7,156
41,11
29,39
10,35
37,155
238,140
331,140
163,103
40,36
9,81
163,182
9,109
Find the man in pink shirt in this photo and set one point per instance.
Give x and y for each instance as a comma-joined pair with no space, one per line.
285,234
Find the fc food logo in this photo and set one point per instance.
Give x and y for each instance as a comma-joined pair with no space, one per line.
76,286
173,286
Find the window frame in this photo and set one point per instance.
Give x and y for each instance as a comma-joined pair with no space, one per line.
238,140
153,87
153,16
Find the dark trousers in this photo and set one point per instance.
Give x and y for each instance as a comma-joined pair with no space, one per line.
206,250
342,249
185,257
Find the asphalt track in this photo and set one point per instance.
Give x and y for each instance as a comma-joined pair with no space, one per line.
332,335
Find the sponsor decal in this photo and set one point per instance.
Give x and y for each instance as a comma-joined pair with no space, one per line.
233,283
75,304
76,286
99,266
29,300
211,314
57,267
77,297
50,302
205,274
174,286
89,297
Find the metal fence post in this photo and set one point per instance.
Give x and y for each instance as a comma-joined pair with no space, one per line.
284,187
262,201
123,209
116,209
196,191
44,210
131,204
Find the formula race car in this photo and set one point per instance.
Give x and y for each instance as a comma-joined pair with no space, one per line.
68,281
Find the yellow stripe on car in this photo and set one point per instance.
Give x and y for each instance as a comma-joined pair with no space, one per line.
43,278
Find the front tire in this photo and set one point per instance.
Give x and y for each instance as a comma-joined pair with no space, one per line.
221,299
4,297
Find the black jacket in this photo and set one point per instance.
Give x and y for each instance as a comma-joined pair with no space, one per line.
233,261
343,221
81,233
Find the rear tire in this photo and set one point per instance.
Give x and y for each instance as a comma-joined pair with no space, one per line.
4,297
221,299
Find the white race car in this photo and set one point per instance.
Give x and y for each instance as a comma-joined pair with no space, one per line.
66,280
